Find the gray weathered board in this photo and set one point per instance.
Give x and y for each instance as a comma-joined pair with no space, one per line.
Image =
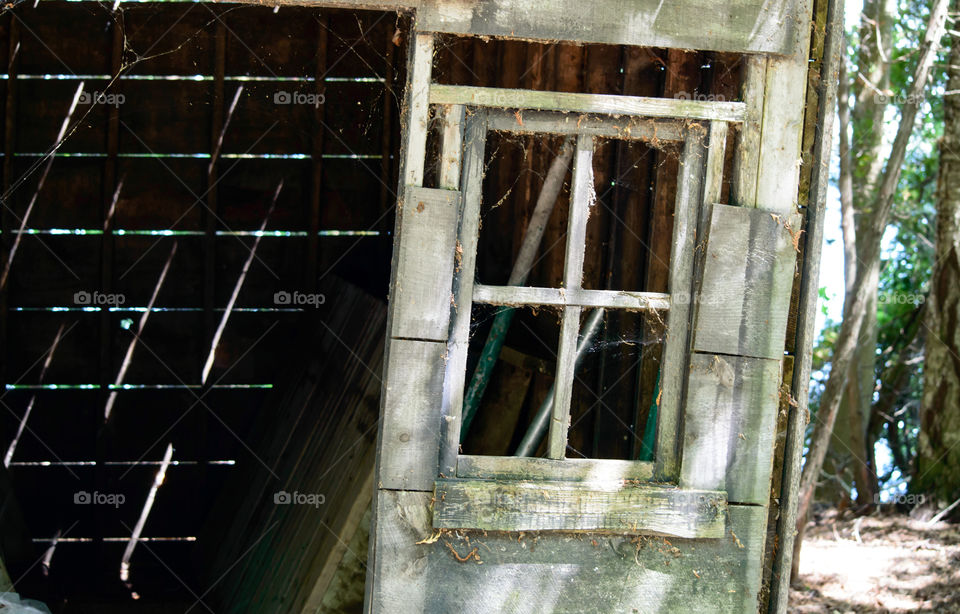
729,425
617,507
421,299
568,102
626,128
751,26
537,573
568,469
747,280
409,435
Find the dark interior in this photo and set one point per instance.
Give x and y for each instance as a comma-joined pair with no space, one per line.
197,126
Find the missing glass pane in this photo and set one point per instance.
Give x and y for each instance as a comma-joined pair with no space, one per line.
523,219
505,389
614,404
629,232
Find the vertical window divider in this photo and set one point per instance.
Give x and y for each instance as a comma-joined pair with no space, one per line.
582,197
673,378
471,185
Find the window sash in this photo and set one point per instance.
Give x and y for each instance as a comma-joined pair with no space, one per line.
700,180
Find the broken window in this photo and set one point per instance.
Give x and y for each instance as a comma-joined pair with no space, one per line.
562,309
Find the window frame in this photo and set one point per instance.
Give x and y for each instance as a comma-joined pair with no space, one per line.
465,128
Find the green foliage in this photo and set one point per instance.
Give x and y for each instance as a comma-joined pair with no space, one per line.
908,243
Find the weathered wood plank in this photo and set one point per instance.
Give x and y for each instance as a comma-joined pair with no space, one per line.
424,264
471,183
607,104
781,131
582,199
451,147
746,158
528,295
563,387
579,506
570,469
409,435
729,426
418,111
716,150
834,53
562,572
557,122
747,278
745,26
688,201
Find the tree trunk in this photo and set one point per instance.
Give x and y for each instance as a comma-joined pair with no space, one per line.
938,456
854,313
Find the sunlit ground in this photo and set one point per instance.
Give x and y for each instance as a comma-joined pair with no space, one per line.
879,564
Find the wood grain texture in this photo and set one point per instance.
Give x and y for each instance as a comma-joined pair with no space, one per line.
409,435
578,506
570,469
417,117
582,200
424,264
471,182
748,26
746,158
781,131
587,103
451,146
688,202
747,278
561,572
557,122
528,295
729,426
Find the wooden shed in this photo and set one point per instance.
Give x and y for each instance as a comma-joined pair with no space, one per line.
410,305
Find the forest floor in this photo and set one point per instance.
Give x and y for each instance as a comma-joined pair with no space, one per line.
878,564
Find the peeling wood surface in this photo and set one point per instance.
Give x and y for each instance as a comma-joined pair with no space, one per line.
578,506
729,426
747,278
561,572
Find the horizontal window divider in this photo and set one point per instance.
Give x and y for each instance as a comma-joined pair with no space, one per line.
569,470
614,507
516,296
556,122
607,104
